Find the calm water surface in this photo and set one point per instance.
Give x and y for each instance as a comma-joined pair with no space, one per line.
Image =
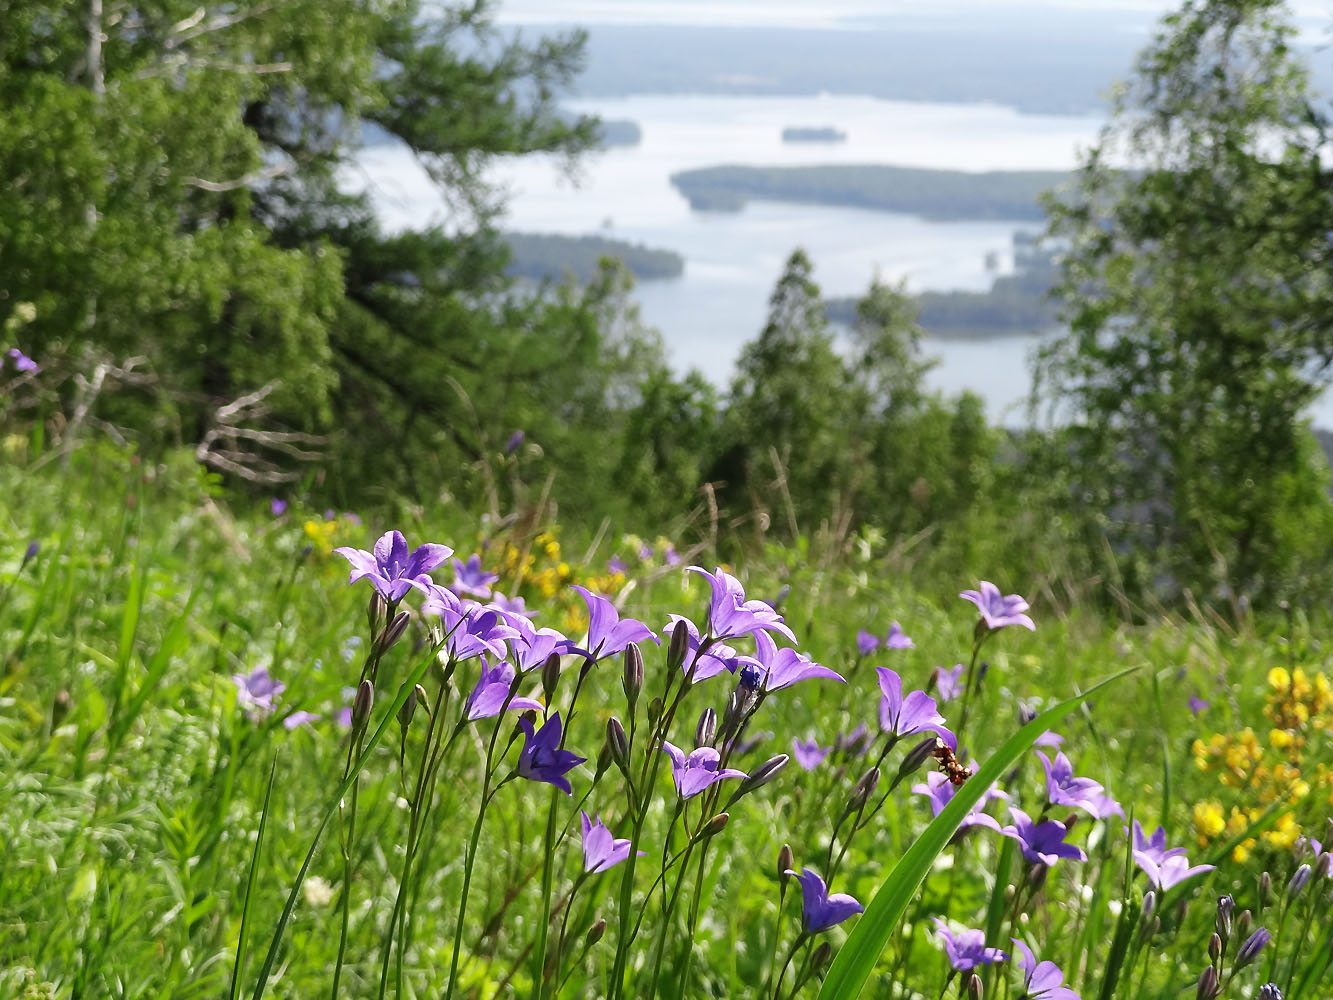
732,260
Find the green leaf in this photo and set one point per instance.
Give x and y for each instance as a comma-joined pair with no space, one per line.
856,960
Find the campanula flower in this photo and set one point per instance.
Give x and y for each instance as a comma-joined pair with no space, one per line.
819,909
510,605
514,441
600,850
298,718
714,660
392,568
22,362
1063,789
1249,950
939,790
1041,980
948,682
1196,705
809,754
897,638
731,615
608,633
256,690
1041,843
1171,871
493,686
866,642
470,580
469,628
277,506
533,646
698,771
542,759
967,949
785,666
914,714
998,610
1153,848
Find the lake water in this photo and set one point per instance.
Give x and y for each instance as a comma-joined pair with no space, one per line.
732,260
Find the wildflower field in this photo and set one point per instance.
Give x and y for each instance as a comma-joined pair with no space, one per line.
518,758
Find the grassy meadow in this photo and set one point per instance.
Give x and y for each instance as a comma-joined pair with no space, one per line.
158,798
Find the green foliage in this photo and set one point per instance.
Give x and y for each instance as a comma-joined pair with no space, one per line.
1197,292
552,256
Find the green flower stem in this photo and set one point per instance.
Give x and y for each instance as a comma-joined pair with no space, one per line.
801,938
980,635
777,936
543,925
486,794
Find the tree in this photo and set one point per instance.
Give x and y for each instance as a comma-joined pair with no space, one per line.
1196,285
173,192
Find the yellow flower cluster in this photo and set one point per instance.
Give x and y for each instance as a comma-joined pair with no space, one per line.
541,573
323,535
1269,770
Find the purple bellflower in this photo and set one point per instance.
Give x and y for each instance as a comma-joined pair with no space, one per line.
783,667
1197,705
866,642
600,850
392,568
1063,789
940,791
1251,946
948,682
731,615
510,605
277,506
819,909
608,633
298,718
470,629
470,580
897,638
22,362
967,949
1041,843
998,610
533,646
542,759
1153,848
514,441
914,714
255,692
616,565
698,771
714,660
809,754
488,698
1041,980
1170,871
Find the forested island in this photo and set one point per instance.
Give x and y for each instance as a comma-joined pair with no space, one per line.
1016,304
553,256
941,195
797,133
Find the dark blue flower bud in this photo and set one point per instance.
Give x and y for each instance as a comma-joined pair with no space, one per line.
751,677
1226,905
632,680
1299,880
706,730
1269,991
30,553
1208,987
361,704
1254,944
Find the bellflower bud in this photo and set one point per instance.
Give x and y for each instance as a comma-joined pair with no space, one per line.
594,934
1243,923
706,730
550,676
654,711
361,704
1147,910
1254,944
1299,881
1322,865
820,958
1214,947
30,553
679,645
974,987
377,614
618,743
917,756
785,861
393,632
603,758
406,710
760,776
1265,891
1208,987
1226,905
632,681
1269,991
714,826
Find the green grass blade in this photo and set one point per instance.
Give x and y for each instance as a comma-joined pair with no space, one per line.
856,960
172,644
405,691
238,970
